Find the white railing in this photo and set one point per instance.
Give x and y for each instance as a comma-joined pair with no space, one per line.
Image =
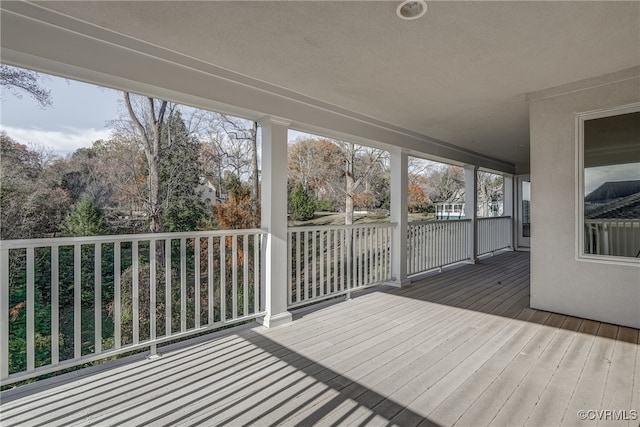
434,244
328,261
68,301
494,234
614,237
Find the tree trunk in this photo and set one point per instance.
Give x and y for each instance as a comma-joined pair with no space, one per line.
152,151
156,224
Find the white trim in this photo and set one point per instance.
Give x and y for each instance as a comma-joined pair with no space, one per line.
519,240
590,83
579,181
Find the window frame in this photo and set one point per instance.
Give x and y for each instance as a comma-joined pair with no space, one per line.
580,119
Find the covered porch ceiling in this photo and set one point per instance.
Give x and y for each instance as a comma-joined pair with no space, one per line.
453,83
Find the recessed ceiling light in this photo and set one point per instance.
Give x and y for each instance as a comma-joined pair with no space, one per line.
411,9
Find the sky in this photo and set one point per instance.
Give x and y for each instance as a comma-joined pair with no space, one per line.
79,115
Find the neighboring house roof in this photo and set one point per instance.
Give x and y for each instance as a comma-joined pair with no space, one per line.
613,190
613,200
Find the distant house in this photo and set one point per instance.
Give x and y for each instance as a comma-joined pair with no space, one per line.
453,207
210,192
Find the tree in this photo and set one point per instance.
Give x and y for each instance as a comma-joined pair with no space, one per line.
490,191
245,131
18,80
418,201
358,163
230,145
237,212
84,220
166,181
318,165
180,175
30,206
444,182
149,125
302,206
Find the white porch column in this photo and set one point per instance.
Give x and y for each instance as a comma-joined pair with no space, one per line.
399,215
507,203
274,220
471,206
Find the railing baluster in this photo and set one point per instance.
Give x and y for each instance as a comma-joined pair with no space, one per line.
234,276
152,291
168,273
328,260
55,305
298,296
210,293
374,259
183,284
306,265
256,272
223,279
4,313
313,264
367,253
336,268
343,234
30,310
245,276
135,293
117,309
77,302
196,279
97,284
321,262
290,247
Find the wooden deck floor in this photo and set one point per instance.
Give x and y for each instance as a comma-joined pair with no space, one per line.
461,348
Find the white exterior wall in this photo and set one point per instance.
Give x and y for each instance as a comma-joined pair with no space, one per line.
559,281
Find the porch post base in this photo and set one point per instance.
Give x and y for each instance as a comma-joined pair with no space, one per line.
271,321
402,283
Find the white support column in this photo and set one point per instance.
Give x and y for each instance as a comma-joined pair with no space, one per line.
507,203
399,215
274,220
471,207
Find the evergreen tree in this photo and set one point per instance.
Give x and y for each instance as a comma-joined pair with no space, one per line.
302,206
180,174
84,220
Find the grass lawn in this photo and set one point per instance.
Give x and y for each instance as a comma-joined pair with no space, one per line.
337,218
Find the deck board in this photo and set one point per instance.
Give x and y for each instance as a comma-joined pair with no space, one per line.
459,348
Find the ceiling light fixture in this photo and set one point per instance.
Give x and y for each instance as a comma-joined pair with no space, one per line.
411,9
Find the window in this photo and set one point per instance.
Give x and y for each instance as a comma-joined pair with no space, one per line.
609,184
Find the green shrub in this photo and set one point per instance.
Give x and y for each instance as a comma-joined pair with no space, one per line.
302,206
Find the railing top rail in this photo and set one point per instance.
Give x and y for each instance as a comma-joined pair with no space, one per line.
344,227
493,217
439,221
609,220
68,241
